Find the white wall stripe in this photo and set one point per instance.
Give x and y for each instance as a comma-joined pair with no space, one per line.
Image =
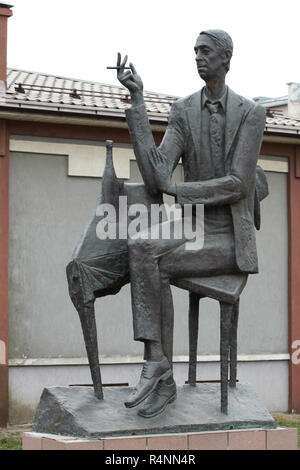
89,160
80,361
2,353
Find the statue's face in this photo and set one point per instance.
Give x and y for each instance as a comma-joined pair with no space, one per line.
210,59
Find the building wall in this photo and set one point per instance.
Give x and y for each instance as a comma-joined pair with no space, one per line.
269,378
48,212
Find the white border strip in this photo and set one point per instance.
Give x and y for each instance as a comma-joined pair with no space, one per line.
88,160
83,159
2,353
109,360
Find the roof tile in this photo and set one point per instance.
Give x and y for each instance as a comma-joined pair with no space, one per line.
41,89
44,89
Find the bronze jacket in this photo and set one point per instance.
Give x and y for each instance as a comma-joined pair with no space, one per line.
245,122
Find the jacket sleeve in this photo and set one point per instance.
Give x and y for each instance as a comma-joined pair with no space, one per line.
234,186
172,145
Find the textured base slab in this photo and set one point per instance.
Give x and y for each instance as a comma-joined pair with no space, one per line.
75,411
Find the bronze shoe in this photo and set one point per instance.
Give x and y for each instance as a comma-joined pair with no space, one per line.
152,373
158,400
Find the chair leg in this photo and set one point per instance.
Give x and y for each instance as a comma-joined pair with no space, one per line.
225,325
193,336
89,329
233,345
86,312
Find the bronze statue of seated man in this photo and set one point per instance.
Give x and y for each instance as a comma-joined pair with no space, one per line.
218,135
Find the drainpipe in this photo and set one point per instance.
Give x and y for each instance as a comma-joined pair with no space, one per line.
5,13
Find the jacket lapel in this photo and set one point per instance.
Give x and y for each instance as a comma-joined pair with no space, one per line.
193,110
234,115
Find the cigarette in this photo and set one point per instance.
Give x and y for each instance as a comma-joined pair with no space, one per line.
118,67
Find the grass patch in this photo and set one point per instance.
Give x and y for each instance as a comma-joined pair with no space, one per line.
9,443
288,423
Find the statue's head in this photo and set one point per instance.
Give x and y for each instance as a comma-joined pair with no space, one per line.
213,50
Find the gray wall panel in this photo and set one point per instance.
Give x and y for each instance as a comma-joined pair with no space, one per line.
48,212
269,379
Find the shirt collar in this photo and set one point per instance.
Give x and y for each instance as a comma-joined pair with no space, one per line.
222,100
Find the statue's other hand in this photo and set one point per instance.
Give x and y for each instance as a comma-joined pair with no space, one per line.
129,78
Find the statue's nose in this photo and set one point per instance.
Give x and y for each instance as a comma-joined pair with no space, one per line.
198,54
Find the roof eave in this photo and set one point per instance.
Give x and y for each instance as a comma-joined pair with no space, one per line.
115,120
83,110
103,117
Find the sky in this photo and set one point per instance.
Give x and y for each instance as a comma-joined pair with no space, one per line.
79,39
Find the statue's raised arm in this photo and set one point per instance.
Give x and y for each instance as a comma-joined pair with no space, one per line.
155,164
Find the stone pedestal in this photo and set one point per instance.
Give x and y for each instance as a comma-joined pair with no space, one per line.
74,411
254,439
71,418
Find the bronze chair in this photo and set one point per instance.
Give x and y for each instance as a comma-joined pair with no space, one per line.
100,268
227,290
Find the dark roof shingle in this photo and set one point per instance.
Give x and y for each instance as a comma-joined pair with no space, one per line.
44,90
35,90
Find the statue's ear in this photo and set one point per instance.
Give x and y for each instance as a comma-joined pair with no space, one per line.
227,54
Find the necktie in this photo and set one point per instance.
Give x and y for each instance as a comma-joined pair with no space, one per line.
216,139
